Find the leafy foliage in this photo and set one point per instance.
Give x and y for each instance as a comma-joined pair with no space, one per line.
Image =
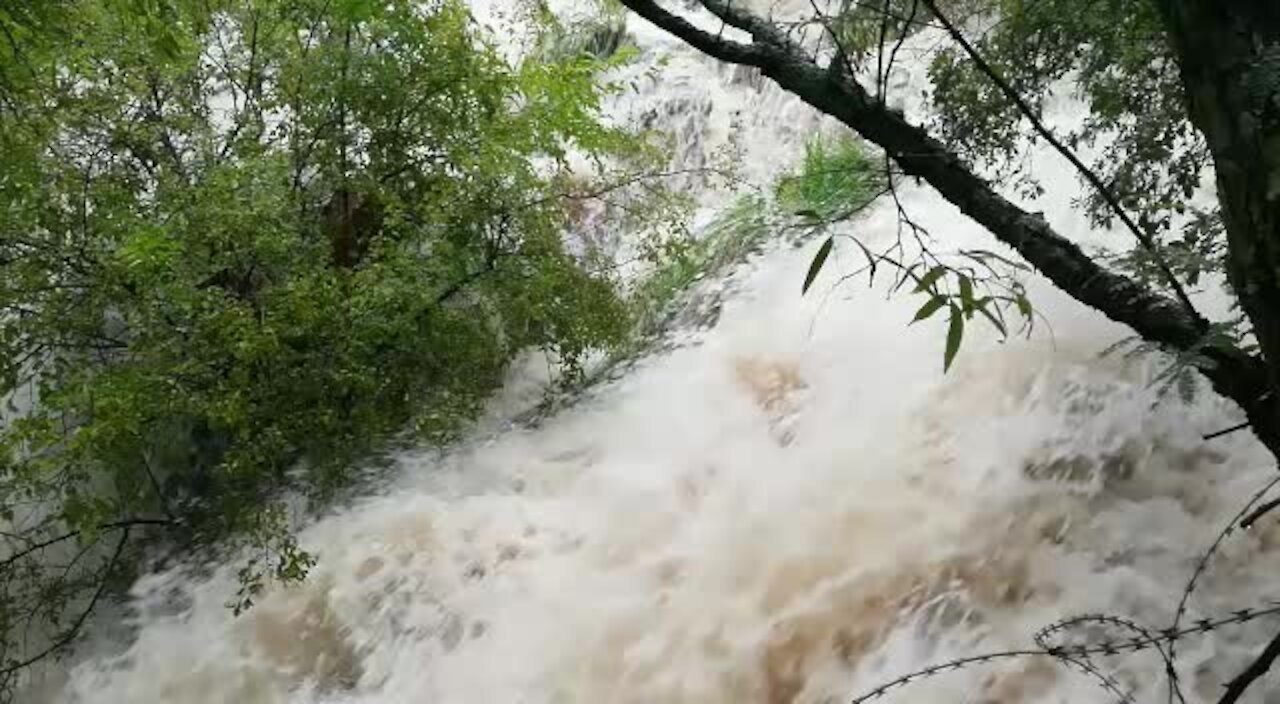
835,176
833,181
1116,58
245,243
1180,371
600,34
677,263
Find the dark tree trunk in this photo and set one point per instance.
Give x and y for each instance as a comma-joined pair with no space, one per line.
1229,53
351,221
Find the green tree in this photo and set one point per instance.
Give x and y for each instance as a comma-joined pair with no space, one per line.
1174,89
243,244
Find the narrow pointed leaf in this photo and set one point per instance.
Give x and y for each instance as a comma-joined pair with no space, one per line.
999,324
966,295
929,308
928,280
954,335
815,266
1024,306
871,260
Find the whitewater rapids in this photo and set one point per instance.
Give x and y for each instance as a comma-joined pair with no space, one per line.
792,506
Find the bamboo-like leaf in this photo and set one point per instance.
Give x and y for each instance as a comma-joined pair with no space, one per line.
954,335
815,266
1024,306
872,260
999,324
929,308
966,295
1119,345
984,254
927,281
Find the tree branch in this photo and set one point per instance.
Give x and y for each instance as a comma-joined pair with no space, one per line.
1092,178
1256,514
1255,670
456,287
1153,316
69,635
125,525
723,49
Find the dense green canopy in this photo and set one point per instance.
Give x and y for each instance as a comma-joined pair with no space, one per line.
242,243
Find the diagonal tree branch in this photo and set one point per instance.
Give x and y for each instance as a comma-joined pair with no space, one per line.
1155,317
706,42
1092,178
1256,669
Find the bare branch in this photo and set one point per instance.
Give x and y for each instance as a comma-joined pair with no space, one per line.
69,635
70,535
1256,669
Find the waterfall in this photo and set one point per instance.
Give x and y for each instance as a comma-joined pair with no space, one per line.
794,505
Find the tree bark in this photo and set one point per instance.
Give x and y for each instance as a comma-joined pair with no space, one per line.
1155,317
1229,55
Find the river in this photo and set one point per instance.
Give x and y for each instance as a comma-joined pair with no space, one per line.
792,505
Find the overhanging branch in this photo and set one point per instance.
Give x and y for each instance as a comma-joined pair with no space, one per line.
706,42
1154,316
1092,178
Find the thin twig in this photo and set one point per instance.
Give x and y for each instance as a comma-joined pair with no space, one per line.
69,635
893,55
125,525
1228,431
157,488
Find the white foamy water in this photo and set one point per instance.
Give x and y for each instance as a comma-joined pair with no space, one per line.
793,507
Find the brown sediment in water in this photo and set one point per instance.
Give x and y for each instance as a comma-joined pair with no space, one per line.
302,636
845,623
773,385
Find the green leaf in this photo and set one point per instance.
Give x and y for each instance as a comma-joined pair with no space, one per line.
872,260
929,308
984,255
1024,306
815,266
246,340
168,45
954,335
981,307
356,10
1118,345
966,295
927,281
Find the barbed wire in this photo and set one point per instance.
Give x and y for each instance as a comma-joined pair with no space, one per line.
1202,566
1068,653
1044,636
